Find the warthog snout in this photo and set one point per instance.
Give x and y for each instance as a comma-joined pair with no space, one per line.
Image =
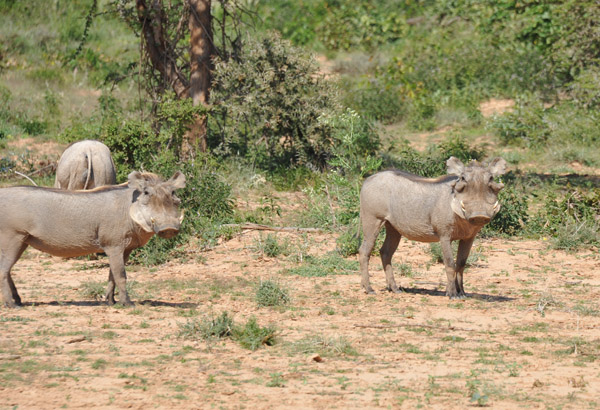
167,232
479,219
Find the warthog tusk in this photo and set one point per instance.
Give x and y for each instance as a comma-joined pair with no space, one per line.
152,221
496,205
181,217
462,206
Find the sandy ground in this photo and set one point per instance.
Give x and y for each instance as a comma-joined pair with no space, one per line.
528,335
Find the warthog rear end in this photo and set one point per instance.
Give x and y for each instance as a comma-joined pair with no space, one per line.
85,164
452,207
115,220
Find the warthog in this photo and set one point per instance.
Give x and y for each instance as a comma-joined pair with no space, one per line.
114,220
85,164
448,208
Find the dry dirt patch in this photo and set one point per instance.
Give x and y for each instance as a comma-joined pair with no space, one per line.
528,335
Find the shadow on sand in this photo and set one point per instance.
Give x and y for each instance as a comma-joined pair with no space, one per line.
477,296
185,305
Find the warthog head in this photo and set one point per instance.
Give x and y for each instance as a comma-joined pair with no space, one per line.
475,193
155,205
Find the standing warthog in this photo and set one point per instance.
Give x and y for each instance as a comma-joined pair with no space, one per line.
85,164
444,209
114,220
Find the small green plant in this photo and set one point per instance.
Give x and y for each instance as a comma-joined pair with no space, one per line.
329,264
252,335
348,243
93,290
271,293
277,380
270,246
325,346
210,327
99,364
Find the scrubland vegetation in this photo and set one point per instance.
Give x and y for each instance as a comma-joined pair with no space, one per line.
310,98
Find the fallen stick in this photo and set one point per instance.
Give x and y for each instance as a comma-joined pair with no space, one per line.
25,176
260,227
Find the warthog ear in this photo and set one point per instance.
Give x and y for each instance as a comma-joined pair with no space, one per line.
136,180
497,166
455,167
496,186
178,180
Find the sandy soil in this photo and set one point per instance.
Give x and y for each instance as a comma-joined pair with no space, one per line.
528,336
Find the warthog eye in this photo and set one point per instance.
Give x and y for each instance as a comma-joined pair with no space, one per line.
146,192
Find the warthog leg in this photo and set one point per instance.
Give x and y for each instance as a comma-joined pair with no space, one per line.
452,285
392,239
464,248
10,252
110,289
370,227
116,260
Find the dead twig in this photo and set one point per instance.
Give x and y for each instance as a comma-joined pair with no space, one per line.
260,227
25,176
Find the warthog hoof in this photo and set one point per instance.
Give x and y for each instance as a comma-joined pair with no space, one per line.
456,297
395,290
369,291
13,305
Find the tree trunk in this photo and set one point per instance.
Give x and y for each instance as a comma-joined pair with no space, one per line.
161,56
201,65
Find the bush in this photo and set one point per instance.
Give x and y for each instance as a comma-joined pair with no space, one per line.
524,125
252,335
432,163
208,328
271,293
513,214
267,106
270,246
348,242
571,220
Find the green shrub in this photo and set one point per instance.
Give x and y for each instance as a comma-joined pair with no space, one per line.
575,235
328,264
93,290
375,99
585,88
252,335
571,219
432,163
268,104
355,144
271,246
348,242
271,293
210,327
513,215
522,126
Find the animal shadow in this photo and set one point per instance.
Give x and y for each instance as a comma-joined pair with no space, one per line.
477,296
85,303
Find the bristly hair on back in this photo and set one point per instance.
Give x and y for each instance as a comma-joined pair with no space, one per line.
417,178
